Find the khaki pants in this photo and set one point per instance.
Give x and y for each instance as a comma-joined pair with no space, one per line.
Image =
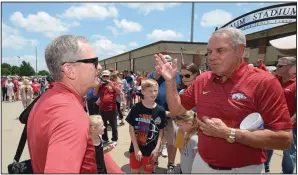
170,132
200,166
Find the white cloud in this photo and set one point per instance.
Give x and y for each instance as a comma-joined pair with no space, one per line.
128,26
164,35
106,48
91,11
133,44
113,30
215,18
99,36
14,60
11,38
41,22
146,8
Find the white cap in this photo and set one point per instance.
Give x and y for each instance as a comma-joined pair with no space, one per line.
286,45
106,72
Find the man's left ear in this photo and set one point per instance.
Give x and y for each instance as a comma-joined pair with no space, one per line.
241,50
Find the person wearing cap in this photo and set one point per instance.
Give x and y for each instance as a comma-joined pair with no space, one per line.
129,79
223,98
286,74
261,65
108,91
168,148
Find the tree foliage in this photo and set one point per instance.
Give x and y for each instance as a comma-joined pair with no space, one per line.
43,73
24,70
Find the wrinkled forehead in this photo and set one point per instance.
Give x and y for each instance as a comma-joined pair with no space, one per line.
219,40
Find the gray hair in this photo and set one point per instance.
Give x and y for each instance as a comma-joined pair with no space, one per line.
237,35
290,60
63,49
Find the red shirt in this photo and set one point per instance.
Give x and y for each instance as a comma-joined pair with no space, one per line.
58,134
107,97
247,90
51,85
3,82
291,97
16,85
35,87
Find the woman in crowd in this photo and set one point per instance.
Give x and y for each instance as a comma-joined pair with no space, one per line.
26,93
9,85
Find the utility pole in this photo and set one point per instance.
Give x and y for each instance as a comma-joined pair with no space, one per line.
192,21
36,60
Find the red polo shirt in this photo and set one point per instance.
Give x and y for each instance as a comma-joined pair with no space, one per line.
247,90
291,97
58,134
107,97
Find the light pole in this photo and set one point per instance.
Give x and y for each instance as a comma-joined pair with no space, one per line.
192,21
36,60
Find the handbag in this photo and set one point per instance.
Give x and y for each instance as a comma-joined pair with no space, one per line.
24,167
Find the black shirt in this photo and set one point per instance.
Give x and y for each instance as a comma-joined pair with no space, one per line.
101,167
147,123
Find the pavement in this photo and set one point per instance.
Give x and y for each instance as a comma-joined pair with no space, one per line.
12,130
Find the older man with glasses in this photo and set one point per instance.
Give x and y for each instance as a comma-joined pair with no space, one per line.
58,127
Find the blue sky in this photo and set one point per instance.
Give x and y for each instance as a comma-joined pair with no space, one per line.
112,28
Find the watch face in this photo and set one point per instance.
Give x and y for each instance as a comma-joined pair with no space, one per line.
231,140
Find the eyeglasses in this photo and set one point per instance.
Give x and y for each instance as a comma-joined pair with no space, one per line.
280,66
105,76
186,76
86,61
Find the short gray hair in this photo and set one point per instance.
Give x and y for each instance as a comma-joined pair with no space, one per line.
63,49
290,60
237,35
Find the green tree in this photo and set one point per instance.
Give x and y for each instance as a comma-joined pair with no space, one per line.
5,69
26,69
43,73
15,70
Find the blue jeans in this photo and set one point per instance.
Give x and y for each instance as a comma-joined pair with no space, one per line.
289,156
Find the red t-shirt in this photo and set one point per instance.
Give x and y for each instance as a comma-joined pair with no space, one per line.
3,82
247,90
51,85
263,67
16,85
291,96
107,97
35,87
58,134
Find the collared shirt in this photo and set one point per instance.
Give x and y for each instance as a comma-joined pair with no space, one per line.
291,95
58,134
246,91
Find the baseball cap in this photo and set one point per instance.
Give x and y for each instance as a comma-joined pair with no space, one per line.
168,58
285,45
106,73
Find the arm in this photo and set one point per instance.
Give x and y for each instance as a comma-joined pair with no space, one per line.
69,131
173,99
160,135
116,88
133,138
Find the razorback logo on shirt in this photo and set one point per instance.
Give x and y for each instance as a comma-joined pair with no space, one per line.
238,96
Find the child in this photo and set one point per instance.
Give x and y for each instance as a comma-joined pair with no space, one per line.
146,122
96,131
187,122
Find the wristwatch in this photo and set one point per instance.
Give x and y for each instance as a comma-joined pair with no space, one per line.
232,136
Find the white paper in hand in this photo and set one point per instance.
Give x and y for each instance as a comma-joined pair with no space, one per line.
253,121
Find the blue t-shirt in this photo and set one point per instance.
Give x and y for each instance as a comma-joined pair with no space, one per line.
129,80
90,94
161,97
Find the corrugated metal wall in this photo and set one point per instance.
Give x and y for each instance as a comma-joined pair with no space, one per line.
123,65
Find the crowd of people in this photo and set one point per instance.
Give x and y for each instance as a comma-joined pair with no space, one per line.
193,111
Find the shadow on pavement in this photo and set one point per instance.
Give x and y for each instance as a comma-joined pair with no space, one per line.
159,170
126,154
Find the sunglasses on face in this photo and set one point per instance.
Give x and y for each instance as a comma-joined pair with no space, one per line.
86,61
186,76
280,66
105,76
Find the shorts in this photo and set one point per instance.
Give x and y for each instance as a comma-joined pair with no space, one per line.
170,132
147,163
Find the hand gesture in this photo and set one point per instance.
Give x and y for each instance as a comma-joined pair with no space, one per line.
166,69
138,155
214,127
110,147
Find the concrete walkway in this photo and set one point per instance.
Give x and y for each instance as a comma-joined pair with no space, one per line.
12,129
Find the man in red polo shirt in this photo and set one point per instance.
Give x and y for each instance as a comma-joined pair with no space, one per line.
58,127
224,97
288,81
